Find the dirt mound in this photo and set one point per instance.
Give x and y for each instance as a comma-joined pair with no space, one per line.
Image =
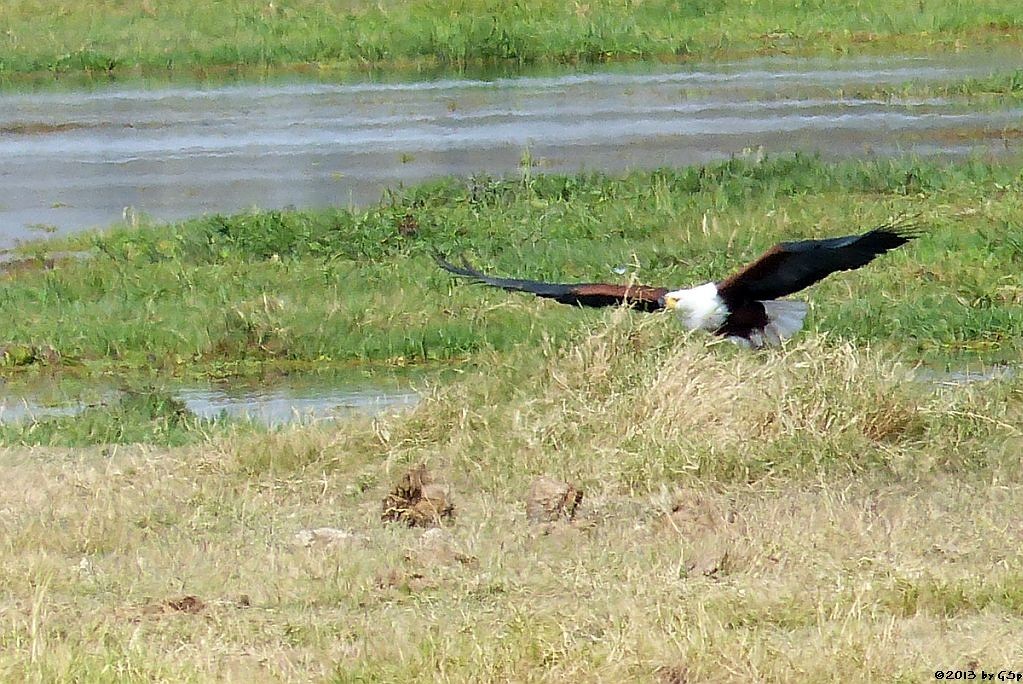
417,501
673,674
551,500
185,604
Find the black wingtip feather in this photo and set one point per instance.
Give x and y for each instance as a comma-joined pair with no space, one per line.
536,287
466,269
904,226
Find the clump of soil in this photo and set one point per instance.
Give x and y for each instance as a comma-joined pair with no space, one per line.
551,500
437,547
185,604
417,501
673,674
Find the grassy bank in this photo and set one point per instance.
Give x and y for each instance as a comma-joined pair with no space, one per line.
117,38
267,294
811,513
298,290
796,515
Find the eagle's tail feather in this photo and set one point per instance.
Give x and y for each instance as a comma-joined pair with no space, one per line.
784,319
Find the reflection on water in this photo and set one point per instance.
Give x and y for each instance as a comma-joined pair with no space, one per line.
281,406
965,377
307,401
19,409
271,405
77,159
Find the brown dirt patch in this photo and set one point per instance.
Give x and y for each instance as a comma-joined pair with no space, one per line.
417,501
437,547
673,674
186,604
551,500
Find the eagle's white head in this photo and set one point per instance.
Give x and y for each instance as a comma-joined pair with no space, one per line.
700,308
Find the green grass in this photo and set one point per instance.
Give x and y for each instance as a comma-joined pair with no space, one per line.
301,290
274,292
100,38
994,90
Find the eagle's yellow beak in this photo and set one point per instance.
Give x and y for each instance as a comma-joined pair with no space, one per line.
670,302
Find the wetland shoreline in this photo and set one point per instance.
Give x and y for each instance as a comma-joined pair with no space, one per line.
798,514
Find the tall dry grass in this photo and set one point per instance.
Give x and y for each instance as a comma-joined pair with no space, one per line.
805,514
634,403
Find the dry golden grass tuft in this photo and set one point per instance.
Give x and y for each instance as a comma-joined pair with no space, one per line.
630,406
808,514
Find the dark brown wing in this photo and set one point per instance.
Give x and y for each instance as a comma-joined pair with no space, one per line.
791,266
641,297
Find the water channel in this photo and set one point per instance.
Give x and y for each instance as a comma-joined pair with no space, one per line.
74,160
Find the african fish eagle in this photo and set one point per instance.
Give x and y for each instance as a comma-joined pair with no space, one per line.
745,307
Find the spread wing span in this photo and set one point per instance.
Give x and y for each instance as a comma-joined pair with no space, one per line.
791,266
641,297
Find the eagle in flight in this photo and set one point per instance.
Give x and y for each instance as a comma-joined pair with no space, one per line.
746,307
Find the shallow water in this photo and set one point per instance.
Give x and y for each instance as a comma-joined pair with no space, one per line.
966,376
304,401
273,404
73,160
280,406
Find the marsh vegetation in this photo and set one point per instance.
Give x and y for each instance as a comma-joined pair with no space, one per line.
803,513
278,292
811,513
303,289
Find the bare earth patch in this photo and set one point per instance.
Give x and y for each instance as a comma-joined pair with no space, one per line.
185,604
418,501
551,500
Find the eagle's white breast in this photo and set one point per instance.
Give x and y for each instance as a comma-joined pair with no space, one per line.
700,308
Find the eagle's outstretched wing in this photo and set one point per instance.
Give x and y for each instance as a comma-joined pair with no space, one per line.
641,297
791,266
